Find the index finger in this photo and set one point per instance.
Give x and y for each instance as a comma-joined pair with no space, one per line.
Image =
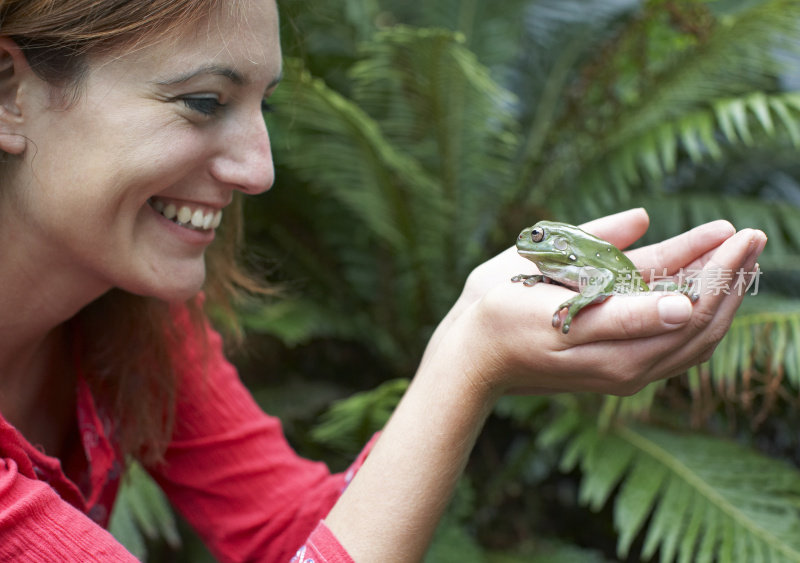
682,250
620,229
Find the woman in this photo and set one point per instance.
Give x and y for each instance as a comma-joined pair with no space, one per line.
126,128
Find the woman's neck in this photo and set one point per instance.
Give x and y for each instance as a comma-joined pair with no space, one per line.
37,392
36,377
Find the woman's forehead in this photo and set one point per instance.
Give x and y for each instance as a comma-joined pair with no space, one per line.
244,42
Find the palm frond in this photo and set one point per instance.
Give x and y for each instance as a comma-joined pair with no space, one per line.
696,498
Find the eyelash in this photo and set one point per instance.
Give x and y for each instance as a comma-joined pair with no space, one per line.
208,106
204,105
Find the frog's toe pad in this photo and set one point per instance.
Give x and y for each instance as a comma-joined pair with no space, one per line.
527,279
557,322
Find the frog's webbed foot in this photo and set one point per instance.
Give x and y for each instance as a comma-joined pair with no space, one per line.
528,279
573,307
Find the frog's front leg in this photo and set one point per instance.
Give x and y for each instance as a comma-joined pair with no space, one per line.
574,306
595,285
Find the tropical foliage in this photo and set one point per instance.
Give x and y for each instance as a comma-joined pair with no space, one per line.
413,140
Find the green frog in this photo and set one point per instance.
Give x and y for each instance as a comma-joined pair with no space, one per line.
575,259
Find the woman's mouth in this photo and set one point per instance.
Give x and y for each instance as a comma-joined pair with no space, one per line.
194,217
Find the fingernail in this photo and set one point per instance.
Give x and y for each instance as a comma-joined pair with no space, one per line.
758,242
674,309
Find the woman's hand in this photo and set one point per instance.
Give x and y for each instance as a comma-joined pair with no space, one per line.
498,338
502,331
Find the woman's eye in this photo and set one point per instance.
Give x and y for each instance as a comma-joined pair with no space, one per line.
206,105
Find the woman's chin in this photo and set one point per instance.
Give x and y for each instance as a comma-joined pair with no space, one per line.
174,290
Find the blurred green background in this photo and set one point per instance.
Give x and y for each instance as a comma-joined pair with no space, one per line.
413,141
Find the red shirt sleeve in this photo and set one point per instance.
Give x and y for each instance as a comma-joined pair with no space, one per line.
321,547
37,525
231,473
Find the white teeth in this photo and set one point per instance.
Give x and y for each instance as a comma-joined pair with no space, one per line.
170,211
184,215
197,219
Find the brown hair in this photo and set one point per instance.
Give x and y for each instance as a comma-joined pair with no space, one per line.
125,339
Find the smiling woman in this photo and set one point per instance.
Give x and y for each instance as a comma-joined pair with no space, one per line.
67,97
115,185
127,129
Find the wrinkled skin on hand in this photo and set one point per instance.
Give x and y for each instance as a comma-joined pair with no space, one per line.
502,330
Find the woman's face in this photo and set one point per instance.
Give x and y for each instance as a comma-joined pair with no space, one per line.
125,186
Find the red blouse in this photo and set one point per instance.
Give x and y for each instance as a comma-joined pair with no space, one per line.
228,470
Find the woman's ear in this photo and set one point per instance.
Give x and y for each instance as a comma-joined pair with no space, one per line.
13,70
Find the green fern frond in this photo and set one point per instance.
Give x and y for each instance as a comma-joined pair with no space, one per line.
756,367
390,252
635,407
349,423
671,214
430,95
757,363
696,498
733,60
344,150
670,108
400,183
704,135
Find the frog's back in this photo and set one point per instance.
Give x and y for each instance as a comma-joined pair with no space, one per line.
594,252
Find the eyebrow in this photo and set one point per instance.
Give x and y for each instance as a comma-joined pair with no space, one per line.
216,70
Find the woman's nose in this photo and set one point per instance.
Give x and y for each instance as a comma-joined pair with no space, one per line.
246,159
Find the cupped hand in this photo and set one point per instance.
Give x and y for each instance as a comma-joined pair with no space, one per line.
501,332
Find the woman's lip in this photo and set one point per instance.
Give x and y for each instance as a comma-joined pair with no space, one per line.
191,236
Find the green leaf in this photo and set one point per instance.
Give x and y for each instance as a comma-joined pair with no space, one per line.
142,511
350,422
669,520
760,106
636,500
603,473
695,496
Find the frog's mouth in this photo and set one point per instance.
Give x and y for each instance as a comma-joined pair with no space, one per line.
541,255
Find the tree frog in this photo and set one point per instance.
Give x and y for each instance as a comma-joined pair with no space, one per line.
595,268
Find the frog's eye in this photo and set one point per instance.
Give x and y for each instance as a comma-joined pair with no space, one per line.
561,243
537,234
